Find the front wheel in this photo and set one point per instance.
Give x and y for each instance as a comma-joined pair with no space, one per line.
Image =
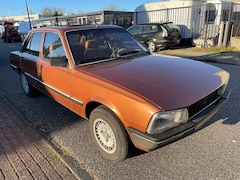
28,89
9,40
108,134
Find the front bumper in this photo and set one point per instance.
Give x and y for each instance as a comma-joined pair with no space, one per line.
149,142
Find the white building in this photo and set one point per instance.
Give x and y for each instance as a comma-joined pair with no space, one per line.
20,18
196,18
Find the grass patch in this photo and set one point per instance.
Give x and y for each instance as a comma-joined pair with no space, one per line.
216,50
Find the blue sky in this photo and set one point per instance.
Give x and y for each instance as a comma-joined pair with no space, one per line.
18,7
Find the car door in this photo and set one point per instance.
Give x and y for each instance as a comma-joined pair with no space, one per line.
56,79
155,32
29,57
142,33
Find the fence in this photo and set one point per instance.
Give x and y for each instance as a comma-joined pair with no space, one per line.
200,22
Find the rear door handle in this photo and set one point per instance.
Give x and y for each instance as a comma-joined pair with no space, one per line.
41,67
40,71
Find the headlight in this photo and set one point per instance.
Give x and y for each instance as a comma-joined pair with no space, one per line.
164,33
166,120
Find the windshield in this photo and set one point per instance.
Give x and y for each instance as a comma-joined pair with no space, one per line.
100,44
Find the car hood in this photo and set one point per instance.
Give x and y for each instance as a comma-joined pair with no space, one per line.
168,82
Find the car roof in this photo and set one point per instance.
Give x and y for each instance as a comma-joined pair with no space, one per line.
76,27
154,23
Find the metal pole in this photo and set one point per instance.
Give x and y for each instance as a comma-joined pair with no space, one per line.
221,33
206,27
227,27
30,26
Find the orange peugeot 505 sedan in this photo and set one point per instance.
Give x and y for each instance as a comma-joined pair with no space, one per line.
129,95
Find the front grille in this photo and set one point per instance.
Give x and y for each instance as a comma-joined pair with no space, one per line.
203,103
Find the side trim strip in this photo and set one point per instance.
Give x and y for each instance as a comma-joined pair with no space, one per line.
75,100
15,67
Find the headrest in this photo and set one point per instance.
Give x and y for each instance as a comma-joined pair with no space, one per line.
54,46
83,40
91,44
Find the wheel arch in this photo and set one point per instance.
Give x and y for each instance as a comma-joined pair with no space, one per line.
18,70
98,101
90,107
94,104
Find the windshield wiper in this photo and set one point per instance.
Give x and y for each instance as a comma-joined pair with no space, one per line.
129,52
121,52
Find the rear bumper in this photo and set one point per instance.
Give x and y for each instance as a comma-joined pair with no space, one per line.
149,142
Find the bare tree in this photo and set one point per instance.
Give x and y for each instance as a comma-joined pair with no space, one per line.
112,7
58,12
52,11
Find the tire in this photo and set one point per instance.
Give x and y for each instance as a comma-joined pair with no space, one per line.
5,38
108,134
28,89
9,40
151,46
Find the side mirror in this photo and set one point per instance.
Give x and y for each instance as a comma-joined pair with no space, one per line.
58,61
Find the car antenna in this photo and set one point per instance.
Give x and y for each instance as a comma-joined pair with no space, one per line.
93,22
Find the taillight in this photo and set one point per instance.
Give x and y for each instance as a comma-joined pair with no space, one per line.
165,33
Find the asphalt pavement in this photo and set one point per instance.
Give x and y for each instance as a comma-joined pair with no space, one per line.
26,154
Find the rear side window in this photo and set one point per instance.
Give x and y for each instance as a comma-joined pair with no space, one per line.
33,45
153,28
142,29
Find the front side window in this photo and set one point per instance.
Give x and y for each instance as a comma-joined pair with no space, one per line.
53,46
132,30
33,45
153,28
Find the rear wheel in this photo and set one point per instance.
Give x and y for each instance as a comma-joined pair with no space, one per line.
151,46
28,89
5,38
108,134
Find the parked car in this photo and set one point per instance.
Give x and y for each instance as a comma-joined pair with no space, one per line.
10,34
129,95
156,35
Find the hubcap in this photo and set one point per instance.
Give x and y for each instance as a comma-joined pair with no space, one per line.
25,84
151,46
104,136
